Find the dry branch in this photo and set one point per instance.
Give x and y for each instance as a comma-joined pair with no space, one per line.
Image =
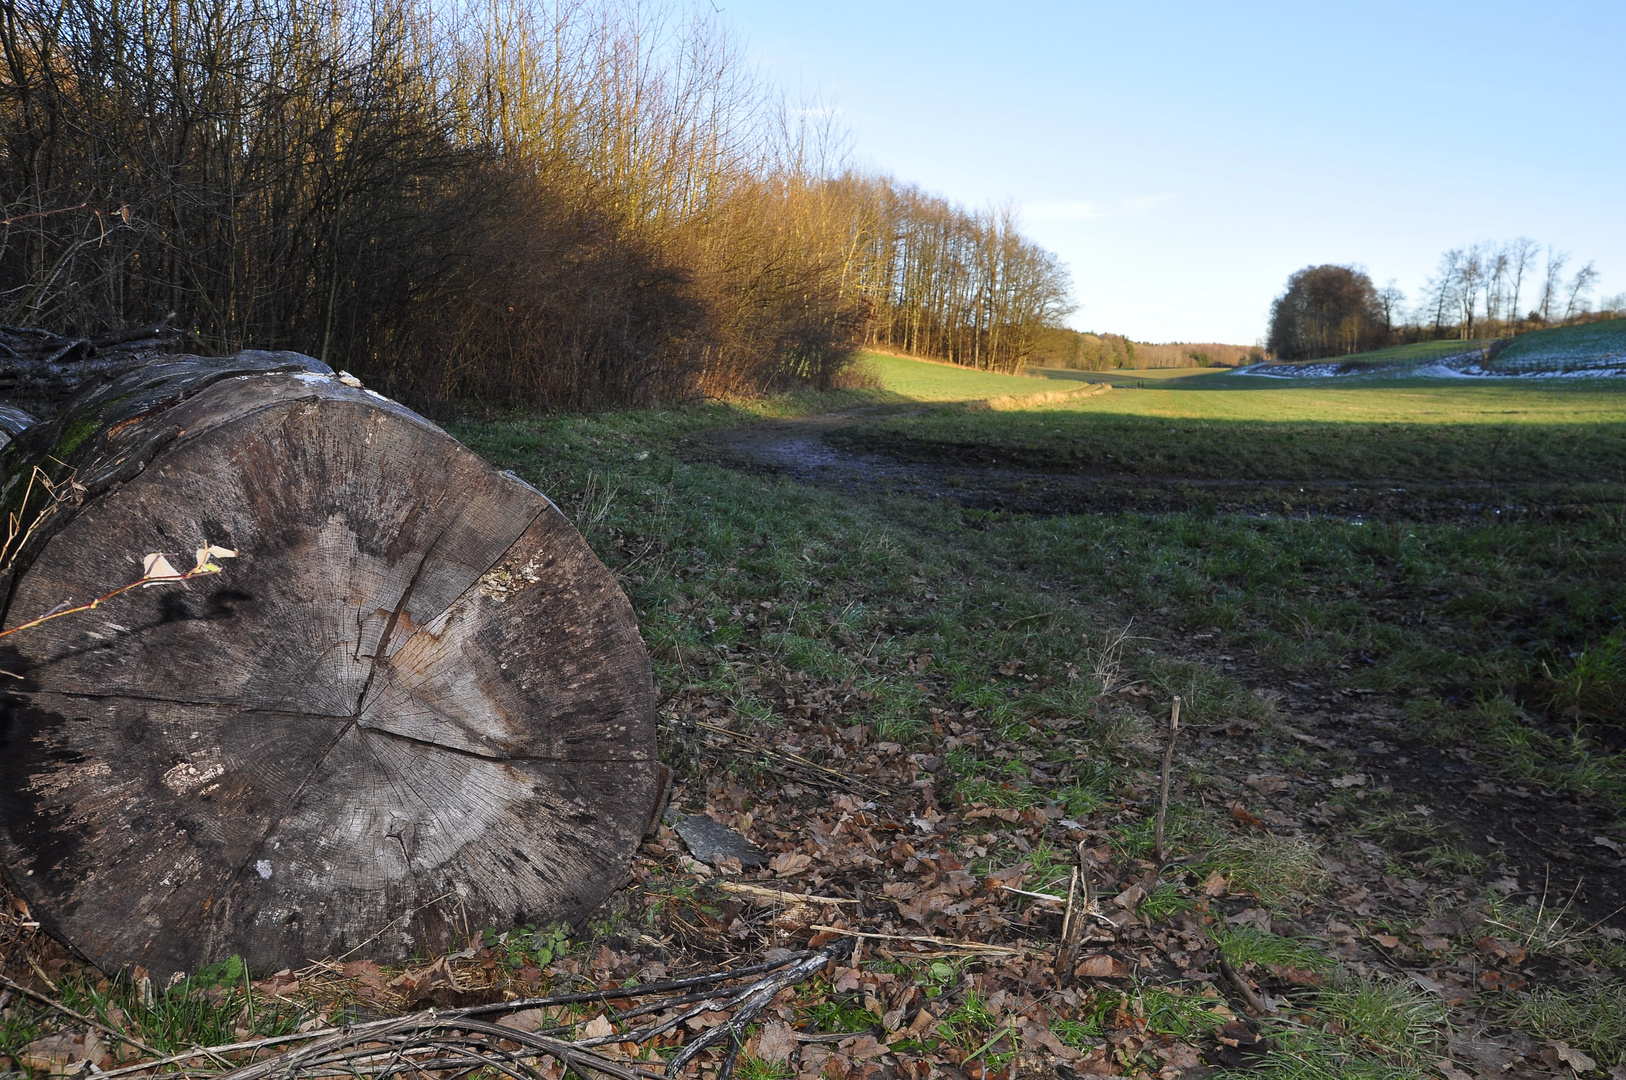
1255,1004
923,939
1080,901
90,1021
1168,769
807,771
452,1042
746,889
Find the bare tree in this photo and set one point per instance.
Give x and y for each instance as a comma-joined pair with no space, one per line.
1521,256
1470,273
1496,268
1552,281
1442,289
1580,285
1393,301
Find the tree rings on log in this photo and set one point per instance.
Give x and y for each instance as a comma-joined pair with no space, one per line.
415,706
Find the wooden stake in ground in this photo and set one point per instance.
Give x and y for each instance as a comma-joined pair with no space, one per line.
414,706
1168,772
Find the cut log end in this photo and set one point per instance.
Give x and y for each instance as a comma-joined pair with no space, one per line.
415,706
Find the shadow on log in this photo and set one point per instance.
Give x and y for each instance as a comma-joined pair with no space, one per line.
415,706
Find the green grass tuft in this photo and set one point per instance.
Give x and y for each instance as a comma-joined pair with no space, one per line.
1591,1018
1250,945
1270,867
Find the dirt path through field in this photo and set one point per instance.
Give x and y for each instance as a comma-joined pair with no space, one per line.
1542,842
818,450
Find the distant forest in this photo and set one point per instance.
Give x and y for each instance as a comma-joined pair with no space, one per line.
576,204
1062,348
1484,291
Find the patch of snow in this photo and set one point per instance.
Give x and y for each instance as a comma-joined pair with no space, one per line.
1461,366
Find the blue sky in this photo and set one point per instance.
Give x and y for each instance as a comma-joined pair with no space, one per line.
1184,158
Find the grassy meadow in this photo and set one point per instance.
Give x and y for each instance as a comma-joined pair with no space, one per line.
1402,356
1036,655
1215,425
1396,793
921,380
1579,349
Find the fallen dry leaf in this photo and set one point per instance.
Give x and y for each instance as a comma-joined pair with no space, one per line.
1101,966
776,1043
790,863
1574,1058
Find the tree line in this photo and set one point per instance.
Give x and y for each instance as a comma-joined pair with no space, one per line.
1482,291
949,283
1083,351
576,203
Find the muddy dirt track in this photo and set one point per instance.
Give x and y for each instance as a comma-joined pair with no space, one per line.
1546,841
831,449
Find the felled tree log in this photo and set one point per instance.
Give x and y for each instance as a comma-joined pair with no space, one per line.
40,371
414,706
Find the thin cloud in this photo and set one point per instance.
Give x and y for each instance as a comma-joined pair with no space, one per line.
1085,210
1074,210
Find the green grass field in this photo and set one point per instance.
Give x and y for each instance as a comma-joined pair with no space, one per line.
1577,348
1420,352
1557,351
1059,640
1213,425
921,380
1400,752
1454,615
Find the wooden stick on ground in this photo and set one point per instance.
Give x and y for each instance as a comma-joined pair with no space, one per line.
1080,898
420,1034
743,888
821,774
79,1016
1254,1002
942,943
1168,770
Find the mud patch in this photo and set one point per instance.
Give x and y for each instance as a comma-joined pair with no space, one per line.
825,450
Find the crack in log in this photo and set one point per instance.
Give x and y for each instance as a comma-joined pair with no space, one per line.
241,873
540,759
380,653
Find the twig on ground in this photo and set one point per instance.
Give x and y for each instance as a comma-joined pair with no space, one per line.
824,775
1168,770
1035,895
49,1002
746,889
1080,900
1255,1004
453,1042
942,943
752,1002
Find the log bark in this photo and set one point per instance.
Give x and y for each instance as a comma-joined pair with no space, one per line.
415,706
40,371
